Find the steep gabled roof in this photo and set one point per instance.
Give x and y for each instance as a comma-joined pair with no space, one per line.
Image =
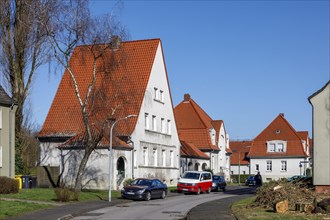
318,91
5,100
240,150
122,77
194,124
191,151
278,129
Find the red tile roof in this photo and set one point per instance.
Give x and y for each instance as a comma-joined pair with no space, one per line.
122,78
193,124
190,150
240,150
278,129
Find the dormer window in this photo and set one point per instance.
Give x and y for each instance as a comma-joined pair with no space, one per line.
276,146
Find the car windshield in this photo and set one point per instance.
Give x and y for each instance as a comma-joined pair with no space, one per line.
194,176
251,178
142,182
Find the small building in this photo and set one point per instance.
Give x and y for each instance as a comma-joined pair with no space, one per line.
279,151
146,145
320,101
198,130
239,162
7,134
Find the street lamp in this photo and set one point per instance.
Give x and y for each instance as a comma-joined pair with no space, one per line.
110,149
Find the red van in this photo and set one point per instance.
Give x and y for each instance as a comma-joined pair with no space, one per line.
195,182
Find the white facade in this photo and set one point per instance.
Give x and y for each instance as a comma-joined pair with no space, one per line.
155,142
223,159
277,168
242,169
321,136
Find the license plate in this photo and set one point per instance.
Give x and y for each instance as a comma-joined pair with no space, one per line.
130,193
184,189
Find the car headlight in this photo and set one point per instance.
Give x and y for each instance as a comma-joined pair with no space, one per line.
214,184
140,191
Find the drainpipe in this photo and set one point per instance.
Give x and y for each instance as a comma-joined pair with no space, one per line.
132,142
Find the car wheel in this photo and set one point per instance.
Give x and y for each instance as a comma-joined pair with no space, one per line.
224,189
179,191
198,191
209,190
148,196
163,195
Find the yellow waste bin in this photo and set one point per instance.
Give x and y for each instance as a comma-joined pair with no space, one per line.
19,179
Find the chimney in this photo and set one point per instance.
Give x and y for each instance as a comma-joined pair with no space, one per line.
186,97
282,114
115,42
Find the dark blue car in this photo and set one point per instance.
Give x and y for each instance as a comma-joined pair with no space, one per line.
218,183
144,189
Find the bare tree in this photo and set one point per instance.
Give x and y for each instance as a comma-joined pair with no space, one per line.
23,49
75,26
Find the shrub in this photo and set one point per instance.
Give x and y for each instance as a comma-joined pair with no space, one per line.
128,182
8,185
65,194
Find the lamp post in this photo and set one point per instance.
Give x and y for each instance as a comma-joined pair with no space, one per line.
110,149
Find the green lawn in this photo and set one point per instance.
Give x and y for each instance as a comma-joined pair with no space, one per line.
48,195
11,208
15,208
243,211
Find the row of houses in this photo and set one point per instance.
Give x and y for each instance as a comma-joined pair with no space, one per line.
151,137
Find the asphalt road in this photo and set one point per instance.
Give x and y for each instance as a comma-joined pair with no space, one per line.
171,208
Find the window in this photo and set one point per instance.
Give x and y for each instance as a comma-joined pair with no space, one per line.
283,165
271,147
257,167
134,154
0,156
278,146
164,158
269,165
162,124
169,127
146,121
154,123
156,93
154,156
145,156
171,158
161,94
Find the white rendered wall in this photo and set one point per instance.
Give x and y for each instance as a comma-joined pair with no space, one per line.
276,173
156,139
321,137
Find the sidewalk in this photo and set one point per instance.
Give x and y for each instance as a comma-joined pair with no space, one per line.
218,209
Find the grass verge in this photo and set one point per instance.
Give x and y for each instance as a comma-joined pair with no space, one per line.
11,208
244,210
48,195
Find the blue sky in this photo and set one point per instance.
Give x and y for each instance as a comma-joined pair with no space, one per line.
243,62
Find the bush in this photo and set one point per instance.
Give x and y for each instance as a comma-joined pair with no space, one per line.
8,185
65,194
128,182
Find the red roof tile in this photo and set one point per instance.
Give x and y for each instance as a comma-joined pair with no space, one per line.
190,150
278,129
193,124
122,78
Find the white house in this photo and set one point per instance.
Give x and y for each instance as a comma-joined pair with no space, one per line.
320,101
7,134
279,151
196,128
146,145
239,163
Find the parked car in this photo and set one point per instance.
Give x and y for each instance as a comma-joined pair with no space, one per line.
195,182
295,177
144,189
218,183
250,181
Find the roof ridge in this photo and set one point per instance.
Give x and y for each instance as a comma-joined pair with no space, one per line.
194,103
129,41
